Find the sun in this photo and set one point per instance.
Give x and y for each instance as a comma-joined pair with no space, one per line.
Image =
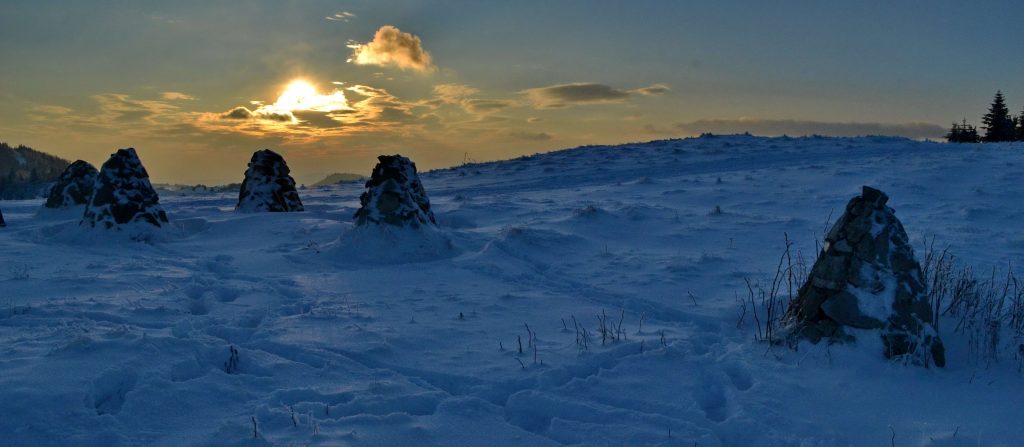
296,95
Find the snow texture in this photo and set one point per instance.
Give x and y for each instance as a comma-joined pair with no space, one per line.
394,195
73,187
267,185
122,195
131,344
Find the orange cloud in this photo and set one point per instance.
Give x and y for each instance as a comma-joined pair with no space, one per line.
303,113
391,47
175,96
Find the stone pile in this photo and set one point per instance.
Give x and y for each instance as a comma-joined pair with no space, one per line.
267,185
867,278
74,187
123,195
394,195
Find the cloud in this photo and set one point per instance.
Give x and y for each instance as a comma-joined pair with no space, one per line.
121,108
243,113
238,113
564,95
51,110
454,93
343,16
770,127
482,106
176,96
462,96
301,113
656,89
391,47
531,136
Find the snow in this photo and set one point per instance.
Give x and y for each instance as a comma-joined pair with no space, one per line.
389,336
877,305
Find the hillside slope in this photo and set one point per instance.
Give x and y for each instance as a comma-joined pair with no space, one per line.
469,335
25,172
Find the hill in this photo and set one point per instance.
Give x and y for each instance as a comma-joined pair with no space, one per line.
25,173
339,177
298,328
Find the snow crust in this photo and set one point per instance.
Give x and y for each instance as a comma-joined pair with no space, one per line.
369,336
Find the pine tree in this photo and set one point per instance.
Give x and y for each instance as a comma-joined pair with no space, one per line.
1019,134
998,123
962,133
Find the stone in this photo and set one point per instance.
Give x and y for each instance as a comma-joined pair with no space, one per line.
394,195
867,278
268,186
2,223
123,195
73,187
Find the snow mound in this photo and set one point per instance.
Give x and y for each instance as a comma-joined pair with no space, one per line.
267,185
394,195
386,244
74,186
123,196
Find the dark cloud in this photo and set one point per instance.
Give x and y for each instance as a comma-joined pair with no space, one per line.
243,113
653,90
801,127
238,113
564,95
486,105
579,93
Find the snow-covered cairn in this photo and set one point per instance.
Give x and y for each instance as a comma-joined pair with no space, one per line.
866,277
122,194
74,187
267,185
394,195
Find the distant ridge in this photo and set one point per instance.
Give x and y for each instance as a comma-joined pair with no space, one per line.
25,173
339,177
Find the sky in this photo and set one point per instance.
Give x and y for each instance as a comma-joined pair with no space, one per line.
198,86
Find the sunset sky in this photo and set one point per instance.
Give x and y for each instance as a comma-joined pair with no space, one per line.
197,86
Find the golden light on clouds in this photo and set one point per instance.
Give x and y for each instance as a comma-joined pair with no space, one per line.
303,111
392,47
300,95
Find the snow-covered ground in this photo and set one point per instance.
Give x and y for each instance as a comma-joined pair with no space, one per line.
368,337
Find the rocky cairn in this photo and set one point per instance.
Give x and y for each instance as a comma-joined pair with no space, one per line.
866,277
74,187
267,185
394,195
123,195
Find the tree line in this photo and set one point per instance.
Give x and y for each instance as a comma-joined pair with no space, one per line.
1000,125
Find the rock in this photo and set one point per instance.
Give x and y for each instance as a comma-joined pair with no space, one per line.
2,223
394,195
73,187
866,277
123,195
267,185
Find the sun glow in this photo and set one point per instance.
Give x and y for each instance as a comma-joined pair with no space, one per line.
301,96
295,95
303,110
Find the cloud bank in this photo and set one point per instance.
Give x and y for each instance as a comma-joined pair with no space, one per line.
769,127
391,47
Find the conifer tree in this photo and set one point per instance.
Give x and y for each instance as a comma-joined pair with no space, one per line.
998,122
1019,134
962,133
